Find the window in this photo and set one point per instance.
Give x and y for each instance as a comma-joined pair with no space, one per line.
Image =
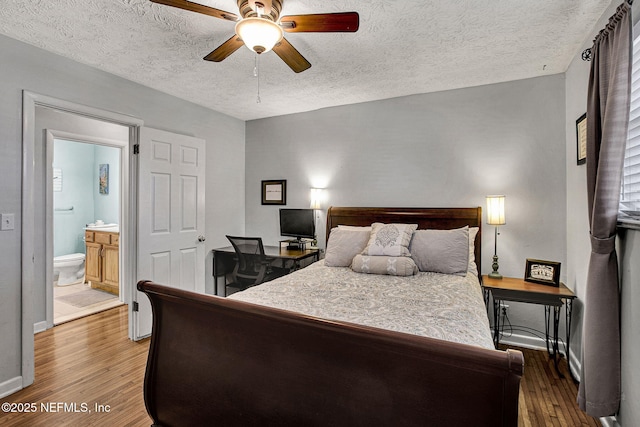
630,192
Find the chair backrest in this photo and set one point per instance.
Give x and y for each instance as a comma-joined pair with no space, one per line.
251,257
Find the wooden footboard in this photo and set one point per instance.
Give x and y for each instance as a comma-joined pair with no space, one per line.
225,362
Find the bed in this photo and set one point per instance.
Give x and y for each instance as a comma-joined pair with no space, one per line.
302,350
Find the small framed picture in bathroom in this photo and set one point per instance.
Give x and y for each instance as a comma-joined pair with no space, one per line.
104,178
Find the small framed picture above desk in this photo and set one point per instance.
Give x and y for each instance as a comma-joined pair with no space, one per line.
274,192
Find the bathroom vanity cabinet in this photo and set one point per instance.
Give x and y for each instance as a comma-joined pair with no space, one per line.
101,264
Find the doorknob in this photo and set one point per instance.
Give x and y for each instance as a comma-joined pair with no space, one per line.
201,238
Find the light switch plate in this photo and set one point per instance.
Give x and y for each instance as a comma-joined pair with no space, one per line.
7,222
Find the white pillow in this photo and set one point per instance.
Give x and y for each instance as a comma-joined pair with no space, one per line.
343,245
441,251
390,239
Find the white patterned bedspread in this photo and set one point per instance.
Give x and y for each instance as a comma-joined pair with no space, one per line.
429,304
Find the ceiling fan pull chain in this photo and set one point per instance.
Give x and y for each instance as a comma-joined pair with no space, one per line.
255,65
256,74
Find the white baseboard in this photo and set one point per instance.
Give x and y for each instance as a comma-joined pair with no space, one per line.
536,343
10,386
525,341
576,366
609,422
39,327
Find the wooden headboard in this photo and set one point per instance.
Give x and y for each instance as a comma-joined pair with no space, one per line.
433,218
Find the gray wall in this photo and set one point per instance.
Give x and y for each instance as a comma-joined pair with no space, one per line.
629,256
441,149
579,245
27,68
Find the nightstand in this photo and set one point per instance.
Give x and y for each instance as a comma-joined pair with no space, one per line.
512,289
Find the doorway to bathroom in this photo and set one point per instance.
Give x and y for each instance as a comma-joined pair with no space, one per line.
86,186
46,118
85,175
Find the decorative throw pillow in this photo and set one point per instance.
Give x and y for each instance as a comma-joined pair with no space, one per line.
390,239
441,251
391,265
343,245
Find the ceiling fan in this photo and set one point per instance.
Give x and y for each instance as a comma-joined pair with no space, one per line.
261,28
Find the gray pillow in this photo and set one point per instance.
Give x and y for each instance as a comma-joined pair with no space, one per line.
378,264
473,232
441,251
344,244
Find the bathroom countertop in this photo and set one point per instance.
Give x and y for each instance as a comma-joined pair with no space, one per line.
111,228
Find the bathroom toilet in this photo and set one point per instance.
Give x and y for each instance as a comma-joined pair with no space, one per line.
69,269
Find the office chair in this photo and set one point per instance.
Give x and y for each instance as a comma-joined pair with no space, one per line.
252,265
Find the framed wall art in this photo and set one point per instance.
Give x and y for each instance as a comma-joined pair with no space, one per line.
542,272
581,139
103,180
274,192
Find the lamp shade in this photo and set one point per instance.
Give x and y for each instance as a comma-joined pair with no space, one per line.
259,34
495,210
316,198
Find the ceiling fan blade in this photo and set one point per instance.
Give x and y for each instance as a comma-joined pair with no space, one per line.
225,49
200,8
291,56
347,22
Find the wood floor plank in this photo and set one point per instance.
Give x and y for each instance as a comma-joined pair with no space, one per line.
550,400
86,361
91,361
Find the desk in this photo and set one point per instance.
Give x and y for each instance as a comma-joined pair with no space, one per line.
512,289
223,260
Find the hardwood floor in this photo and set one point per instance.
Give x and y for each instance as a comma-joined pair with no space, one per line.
91,361
545,398
86,361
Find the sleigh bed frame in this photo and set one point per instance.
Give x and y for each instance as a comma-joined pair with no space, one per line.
218,361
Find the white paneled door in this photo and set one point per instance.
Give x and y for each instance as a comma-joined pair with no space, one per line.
171,221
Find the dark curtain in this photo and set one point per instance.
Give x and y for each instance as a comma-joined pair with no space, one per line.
607,124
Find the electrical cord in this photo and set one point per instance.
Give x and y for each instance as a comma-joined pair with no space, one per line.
507,331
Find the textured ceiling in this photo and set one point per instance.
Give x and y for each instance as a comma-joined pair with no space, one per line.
403,47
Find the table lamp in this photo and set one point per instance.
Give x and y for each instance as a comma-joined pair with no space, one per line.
495,216
317,194
316,198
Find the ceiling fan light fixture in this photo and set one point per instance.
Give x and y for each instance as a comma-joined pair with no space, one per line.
259,34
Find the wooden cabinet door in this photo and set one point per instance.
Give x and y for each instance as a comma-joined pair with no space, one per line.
110,269
93,262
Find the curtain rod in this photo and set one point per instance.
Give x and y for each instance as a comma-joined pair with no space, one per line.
586,54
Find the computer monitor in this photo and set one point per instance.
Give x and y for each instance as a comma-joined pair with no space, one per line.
298,223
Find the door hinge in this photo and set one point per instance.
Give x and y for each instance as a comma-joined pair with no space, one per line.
136,307
136,149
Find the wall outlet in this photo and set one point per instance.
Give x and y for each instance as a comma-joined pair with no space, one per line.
504,310
7,222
